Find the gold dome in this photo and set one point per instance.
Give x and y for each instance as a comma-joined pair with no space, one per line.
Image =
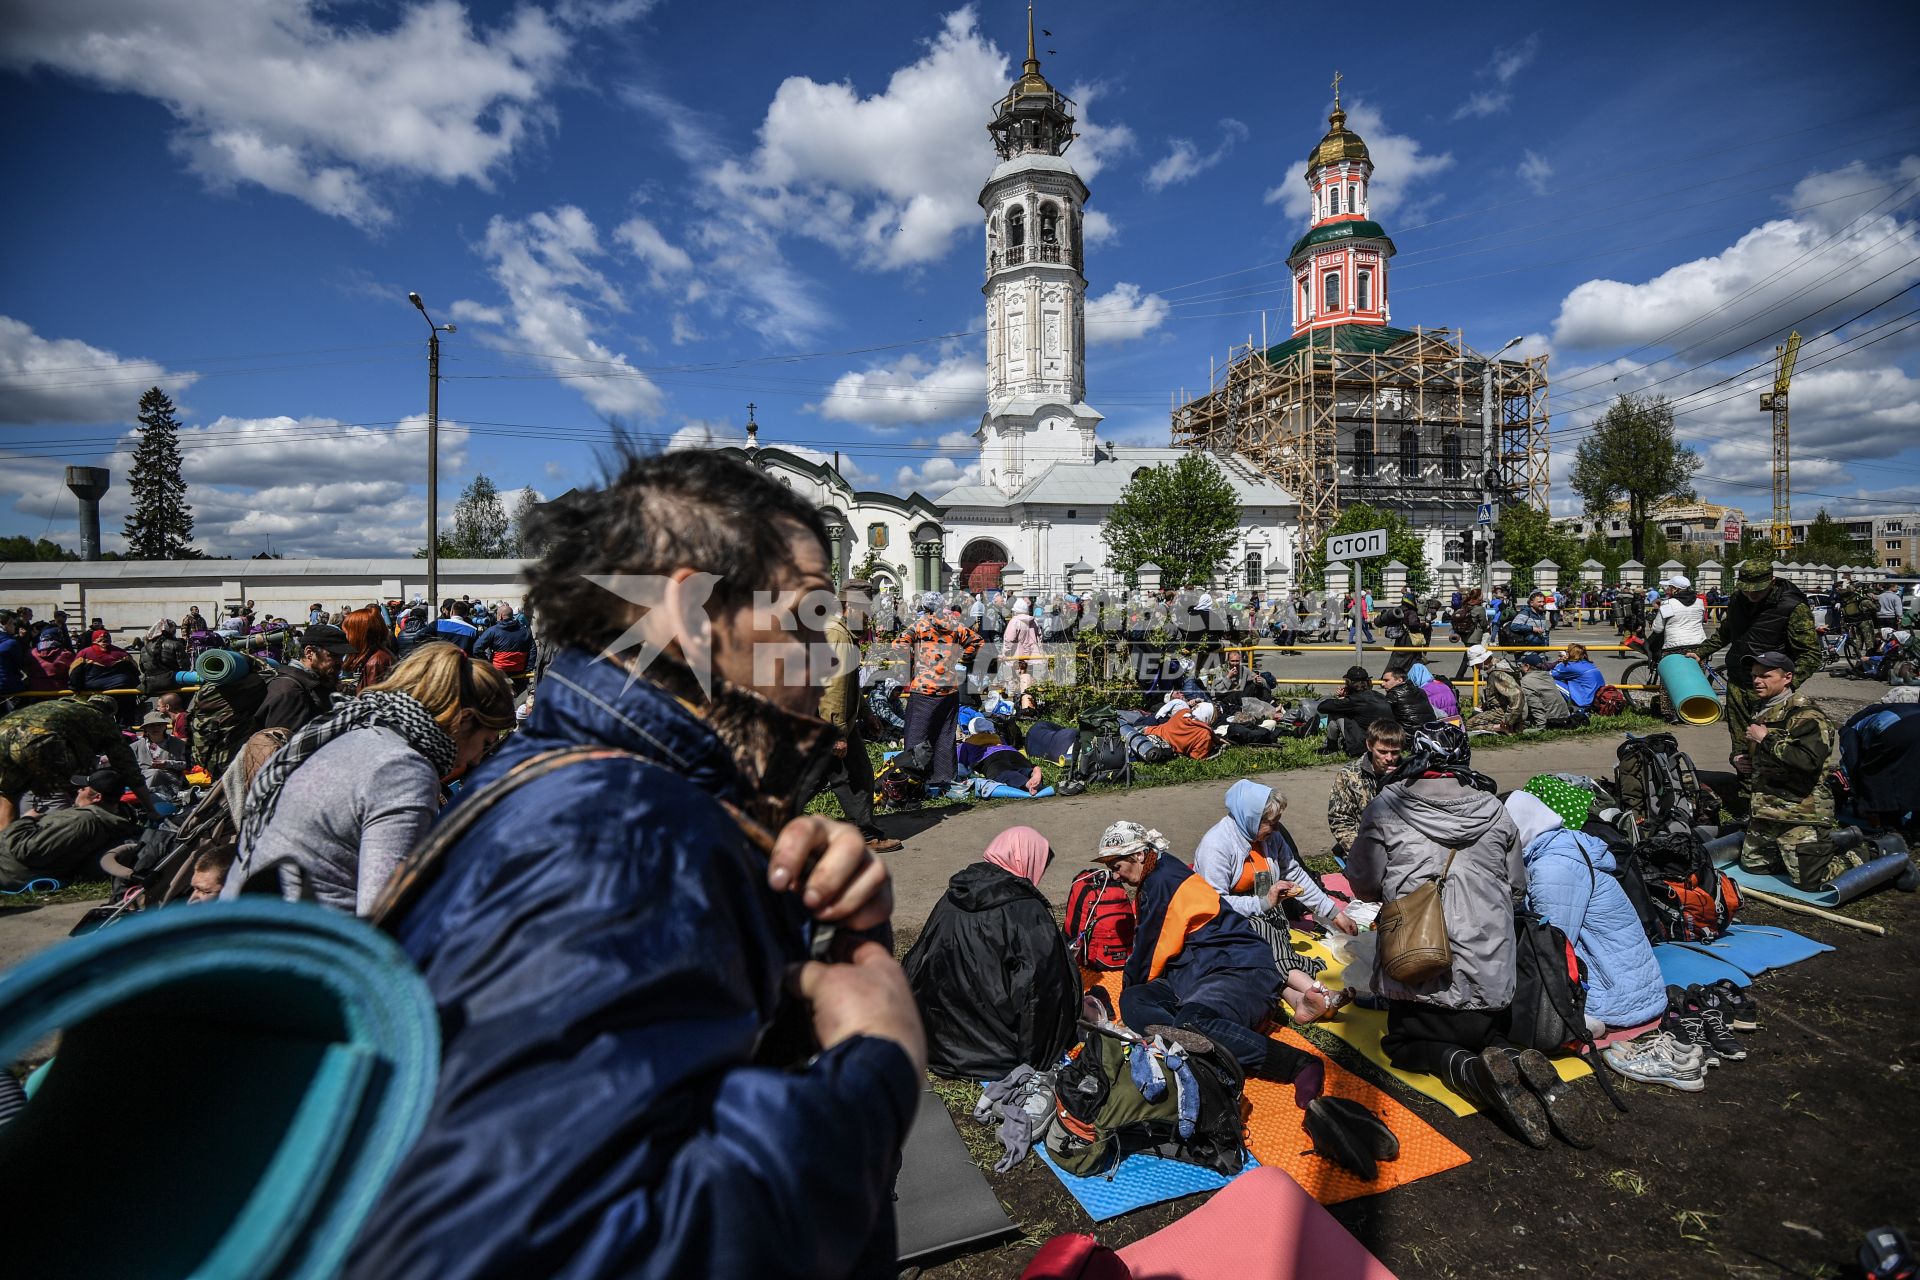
1339,144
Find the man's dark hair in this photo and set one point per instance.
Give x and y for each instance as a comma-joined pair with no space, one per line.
449,605
689,509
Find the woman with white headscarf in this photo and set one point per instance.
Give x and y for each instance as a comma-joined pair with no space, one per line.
1021,643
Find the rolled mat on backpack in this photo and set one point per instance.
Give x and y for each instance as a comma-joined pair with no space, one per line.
218,666
253,1070
1688,690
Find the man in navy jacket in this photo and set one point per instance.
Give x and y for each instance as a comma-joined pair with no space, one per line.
643,1073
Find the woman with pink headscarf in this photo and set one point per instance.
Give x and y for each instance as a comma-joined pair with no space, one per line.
990,969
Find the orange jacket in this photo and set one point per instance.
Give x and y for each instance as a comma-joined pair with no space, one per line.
941,647
1184,734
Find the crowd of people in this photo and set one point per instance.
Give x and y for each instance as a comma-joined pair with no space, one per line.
670,1010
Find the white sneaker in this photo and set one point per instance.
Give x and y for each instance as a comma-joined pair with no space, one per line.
1649,1063
1685,1053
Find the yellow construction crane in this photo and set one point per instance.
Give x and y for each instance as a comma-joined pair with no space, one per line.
1775,402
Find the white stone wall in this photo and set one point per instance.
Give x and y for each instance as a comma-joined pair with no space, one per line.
128,596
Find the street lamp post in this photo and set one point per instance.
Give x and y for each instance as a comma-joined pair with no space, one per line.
1487,475
433,449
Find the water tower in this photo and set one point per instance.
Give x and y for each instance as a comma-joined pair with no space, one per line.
89,484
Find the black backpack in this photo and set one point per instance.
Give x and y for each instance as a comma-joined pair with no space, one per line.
1549,1010
1691,899
1657,781
1101,758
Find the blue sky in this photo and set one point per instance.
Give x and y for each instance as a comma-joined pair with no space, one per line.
658,212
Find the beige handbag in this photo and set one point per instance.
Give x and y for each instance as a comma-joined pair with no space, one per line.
1413,933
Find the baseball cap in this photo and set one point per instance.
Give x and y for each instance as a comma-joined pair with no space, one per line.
1477,654
105,781
1678,580
1772,660
1755,573
1358,672
327,637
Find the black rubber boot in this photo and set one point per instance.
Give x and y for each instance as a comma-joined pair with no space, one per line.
1571,1112
1287,1065
1351,1136
1491,1082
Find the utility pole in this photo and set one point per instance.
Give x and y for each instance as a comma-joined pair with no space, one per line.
433,449
1488,473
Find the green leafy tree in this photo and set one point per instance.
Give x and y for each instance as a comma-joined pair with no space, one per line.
1182,516
481,530
1633,457
1403,544
523,513
1527,537
1827,543
160,526
20,547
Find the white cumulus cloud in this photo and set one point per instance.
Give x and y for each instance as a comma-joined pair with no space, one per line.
549,266
1536,171
1185,160
912,389
958,463
67,380
1400,163
290,96
1123,313
1788,270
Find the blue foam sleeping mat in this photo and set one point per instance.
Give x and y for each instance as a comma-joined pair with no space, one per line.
1139,1181
1779,886
1756,948
1684,967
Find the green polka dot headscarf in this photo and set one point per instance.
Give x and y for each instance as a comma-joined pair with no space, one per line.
1572,802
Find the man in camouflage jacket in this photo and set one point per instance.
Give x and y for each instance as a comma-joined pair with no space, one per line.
1503,705
1355,786
1791,747
1766,615
43,745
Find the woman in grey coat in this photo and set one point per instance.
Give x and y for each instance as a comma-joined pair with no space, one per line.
1454,1025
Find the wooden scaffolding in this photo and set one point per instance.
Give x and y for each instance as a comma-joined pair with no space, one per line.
1386,416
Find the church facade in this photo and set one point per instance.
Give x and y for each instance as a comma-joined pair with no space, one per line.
1046,480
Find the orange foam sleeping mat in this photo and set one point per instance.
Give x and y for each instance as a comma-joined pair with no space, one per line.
1277,1135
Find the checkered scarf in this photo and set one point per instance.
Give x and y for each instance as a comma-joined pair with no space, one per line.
375,710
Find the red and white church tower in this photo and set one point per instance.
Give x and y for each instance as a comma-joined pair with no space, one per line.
1340,265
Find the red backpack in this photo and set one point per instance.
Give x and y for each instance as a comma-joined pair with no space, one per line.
1100,919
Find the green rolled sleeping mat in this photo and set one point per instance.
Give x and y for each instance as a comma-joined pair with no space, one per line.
234,1085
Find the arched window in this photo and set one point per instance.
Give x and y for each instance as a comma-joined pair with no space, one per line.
1455,550
1253,569
1333,202
1450,468
1363,452
1353,205
1016,226
1049,223
1409,455
1330,290
1306,297
1363,290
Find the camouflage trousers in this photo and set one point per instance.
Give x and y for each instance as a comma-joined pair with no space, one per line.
1800,851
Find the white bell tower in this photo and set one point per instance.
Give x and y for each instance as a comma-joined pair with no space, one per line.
1036,292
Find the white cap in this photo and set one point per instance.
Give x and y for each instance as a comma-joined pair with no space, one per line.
1678,580
1477,654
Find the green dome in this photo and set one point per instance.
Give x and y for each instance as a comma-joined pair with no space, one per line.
1360,230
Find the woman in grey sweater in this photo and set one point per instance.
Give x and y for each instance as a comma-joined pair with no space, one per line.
350,795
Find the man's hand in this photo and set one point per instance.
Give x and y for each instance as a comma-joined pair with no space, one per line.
1282,889
1743,764
1343,924
837,876
867,996
1756,733
840,749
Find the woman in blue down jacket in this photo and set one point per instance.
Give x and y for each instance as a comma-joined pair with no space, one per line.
1570,883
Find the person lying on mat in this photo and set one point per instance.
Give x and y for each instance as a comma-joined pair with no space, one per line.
1249,857
986,755
1196,965
1570,883
1437,819
990,969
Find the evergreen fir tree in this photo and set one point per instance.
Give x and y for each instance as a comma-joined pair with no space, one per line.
160,526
